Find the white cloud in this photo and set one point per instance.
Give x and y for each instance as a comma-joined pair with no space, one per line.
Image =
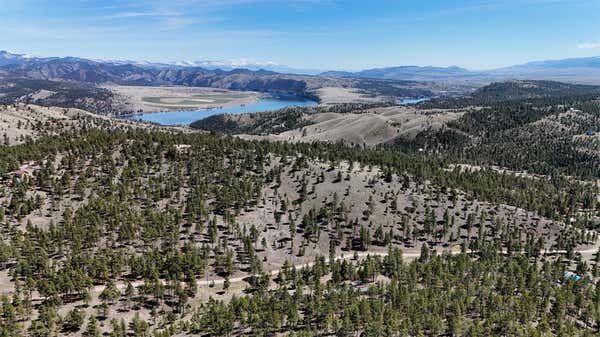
589,45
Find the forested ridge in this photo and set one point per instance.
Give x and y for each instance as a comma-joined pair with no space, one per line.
506,91
549,135
114,230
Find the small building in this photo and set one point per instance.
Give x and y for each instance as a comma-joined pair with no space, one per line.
590,133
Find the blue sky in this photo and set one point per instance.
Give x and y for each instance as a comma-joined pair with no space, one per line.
327,34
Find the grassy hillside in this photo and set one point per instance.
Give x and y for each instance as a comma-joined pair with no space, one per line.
274,122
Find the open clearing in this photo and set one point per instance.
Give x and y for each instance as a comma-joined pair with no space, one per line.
156,99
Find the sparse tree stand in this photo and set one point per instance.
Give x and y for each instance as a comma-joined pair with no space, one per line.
139,327
106,239
92,329
119,329
424,257
129,294
226,284
73,321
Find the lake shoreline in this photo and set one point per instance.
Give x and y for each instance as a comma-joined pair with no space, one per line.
186,117
127,116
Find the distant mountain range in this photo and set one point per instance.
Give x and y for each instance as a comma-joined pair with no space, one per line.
585,70
8,58
226,65
87,71
15,67
407,73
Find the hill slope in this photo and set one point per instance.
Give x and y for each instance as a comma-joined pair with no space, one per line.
145,227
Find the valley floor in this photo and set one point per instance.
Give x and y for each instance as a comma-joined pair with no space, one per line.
144,99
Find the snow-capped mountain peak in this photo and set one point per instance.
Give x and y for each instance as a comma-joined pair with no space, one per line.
7,57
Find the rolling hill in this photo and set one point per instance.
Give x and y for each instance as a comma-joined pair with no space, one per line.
540,126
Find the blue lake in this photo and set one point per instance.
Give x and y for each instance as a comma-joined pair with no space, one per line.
410,101
188,117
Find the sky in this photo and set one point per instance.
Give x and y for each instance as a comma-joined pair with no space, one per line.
309,34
